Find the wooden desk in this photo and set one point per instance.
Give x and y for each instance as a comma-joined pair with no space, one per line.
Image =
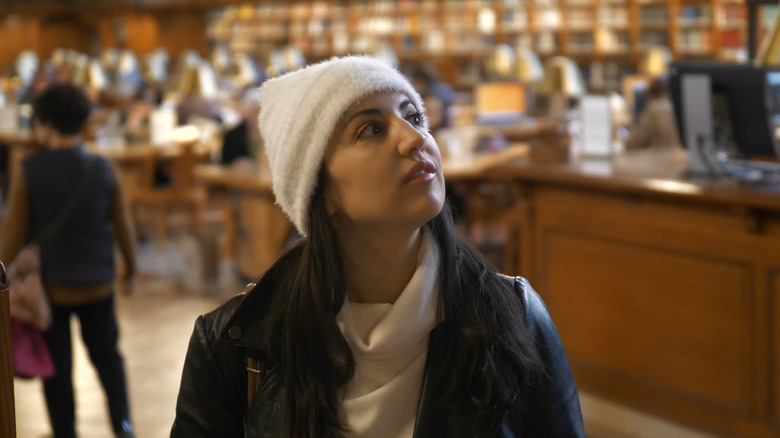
20,144
665,289
266,225
527,131
246,198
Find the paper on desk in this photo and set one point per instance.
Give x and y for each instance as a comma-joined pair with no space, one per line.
162,122
596,126
9,119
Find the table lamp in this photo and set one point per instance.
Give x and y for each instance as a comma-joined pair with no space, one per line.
128,78
155,66
26,66
529,67
769,51
530,72
655,62
58,58
185,61
501,64
284,60
109,59
248,74
562,82
199,80
222,60
90,74
293,58
71,61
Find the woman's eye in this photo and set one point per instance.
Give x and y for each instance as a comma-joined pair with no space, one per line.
369,131
415,119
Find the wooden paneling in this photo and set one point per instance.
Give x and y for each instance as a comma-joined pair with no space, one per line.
665,290
181,31
142,33
17,33
64,32
88,31
140,29
666,320
660,302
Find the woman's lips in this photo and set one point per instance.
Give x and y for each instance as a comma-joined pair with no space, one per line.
422,171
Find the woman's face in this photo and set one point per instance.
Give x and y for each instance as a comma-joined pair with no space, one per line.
384,168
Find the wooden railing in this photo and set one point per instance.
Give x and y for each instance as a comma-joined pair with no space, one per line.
7,416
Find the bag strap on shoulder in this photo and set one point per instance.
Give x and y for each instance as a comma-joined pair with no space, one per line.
254,368
254,378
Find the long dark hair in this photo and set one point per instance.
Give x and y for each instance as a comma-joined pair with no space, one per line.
485,347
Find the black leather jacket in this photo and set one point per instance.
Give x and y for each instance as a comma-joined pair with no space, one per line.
213,393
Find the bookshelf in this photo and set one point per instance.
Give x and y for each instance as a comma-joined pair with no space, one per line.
460,33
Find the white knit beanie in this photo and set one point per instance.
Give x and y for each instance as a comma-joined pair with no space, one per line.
299,112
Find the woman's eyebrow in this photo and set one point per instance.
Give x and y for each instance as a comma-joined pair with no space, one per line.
365,112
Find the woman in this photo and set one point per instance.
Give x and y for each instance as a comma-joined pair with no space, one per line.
656,126
381,322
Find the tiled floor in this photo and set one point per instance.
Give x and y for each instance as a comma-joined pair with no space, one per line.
156,323
155,326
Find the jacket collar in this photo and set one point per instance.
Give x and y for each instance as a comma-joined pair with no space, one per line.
245,325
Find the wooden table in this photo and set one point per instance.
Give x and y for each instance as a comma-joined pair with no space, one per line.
529,130
665,288
267,228
246,199
20,144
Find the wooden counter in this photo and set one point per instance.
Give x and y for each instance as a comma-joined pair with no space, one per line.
665,289
257,229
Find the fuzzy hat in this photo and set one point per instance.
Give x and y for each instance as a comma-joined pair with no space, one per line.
299,112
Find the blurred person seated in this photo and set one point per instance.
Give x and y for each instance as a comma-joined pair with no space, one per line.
656,126
65,185
241,142
438,97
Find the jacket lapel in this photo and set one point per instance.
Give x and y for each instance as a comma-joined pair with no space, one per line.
431,417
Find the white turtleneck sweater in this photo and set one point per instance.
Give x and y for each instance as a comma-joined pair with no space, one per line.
390,345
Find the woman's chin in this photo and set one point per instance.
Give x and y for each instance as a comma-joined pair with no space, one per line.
429,208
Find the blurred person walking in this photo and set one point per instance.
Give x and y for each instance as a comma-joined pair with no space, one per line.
77,261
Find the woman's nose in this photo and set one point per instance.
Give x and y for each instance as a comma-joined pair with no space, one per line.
412,141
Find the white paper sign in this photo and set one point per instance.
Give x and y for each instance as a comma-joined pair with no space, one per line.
9,119
596,126
162,122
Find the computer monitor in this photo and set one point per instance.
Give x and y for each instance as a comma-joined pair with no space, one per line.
500,102
745,105
640,102
634,90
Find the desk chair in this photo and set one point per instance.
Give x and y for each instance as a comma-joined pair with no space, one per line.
182,192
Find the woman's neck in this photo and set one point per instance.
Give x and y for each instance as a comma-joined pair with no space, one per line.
378,264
